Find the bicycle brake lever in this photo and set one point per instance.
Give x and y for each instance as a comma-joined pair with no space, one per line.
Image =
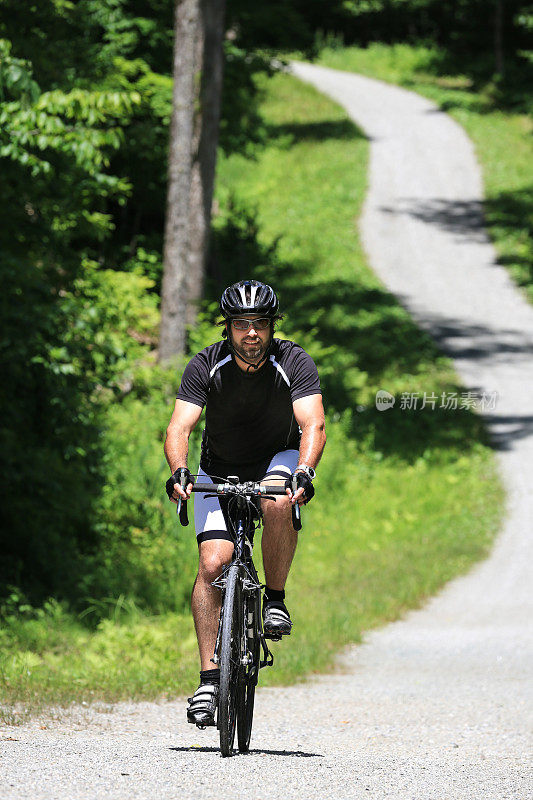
296,515
181,507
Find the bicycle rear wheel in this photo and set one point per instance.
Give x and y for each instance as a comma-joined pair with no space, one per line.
249,675
230,659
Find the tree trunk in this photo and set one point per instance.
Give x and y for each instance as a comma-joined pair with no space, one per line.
198,63
205,148
498,38
176,246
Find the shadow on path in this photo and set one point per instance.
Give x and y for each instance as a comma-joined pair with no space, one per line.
463,217
295,753
506,430
507,215
463,340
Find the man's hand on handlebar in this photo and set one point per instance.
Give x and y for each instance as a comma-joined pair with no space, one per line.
305,490
179,485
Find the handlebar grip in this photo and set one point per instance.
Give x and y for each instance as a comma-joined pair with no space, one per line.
296,515
181,507
182,513
296,518
275,490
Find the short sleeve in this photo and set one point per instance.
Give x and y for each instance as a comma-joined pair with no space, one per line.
304,380
194,384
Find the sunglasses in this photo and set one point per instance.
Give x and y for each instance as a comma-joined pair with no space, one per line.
245,324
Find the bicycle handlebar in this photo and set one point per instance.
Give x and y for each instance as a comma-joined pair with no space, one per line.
252,489
249,489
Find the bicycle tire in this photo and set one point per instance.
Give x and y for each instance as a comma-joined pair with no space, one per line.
249,676
230,660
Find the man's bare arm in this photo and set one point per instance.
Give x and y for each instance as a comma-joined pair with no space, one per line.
309,414
184,419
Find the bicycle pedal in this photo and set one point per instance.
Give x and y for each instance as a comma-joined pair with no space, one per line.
274,637
202,725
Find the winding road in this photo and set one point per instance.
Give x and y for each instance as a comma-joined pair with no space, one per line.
437,706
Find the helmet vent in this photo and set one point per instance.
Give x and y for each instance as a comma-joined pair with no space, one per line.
242,292
248,293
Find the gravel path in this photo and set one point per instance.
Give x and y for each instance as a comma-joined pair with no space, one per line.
438,705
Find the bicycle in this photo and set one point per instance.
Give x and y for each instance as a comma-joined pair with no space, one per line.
240,637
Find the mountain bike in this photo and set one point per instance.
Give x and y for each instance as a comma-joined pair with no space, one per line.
241,649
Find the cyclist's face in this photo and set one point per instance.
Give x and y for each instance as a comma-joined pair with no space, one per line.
253,342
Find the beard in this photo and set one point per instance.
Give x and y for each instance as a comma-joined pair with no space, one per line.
252,352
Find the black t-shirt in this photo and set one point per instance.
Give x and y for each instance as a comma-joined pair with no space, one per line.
249,416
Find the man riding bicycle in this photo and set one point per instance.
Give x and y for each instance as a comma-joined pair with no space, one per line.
264,419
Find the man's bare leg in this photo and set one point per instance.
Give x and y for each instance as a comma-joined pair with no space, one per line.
279,540
206,600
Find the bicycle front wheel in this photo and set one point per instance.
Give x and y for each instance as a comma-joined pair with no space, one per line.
249,675
230,659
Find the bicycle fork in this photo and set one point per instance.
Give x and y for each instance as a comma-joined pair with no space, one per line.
250,587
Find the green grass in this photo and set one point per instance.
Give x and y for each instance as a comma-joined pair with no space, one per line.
502,135
405,500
